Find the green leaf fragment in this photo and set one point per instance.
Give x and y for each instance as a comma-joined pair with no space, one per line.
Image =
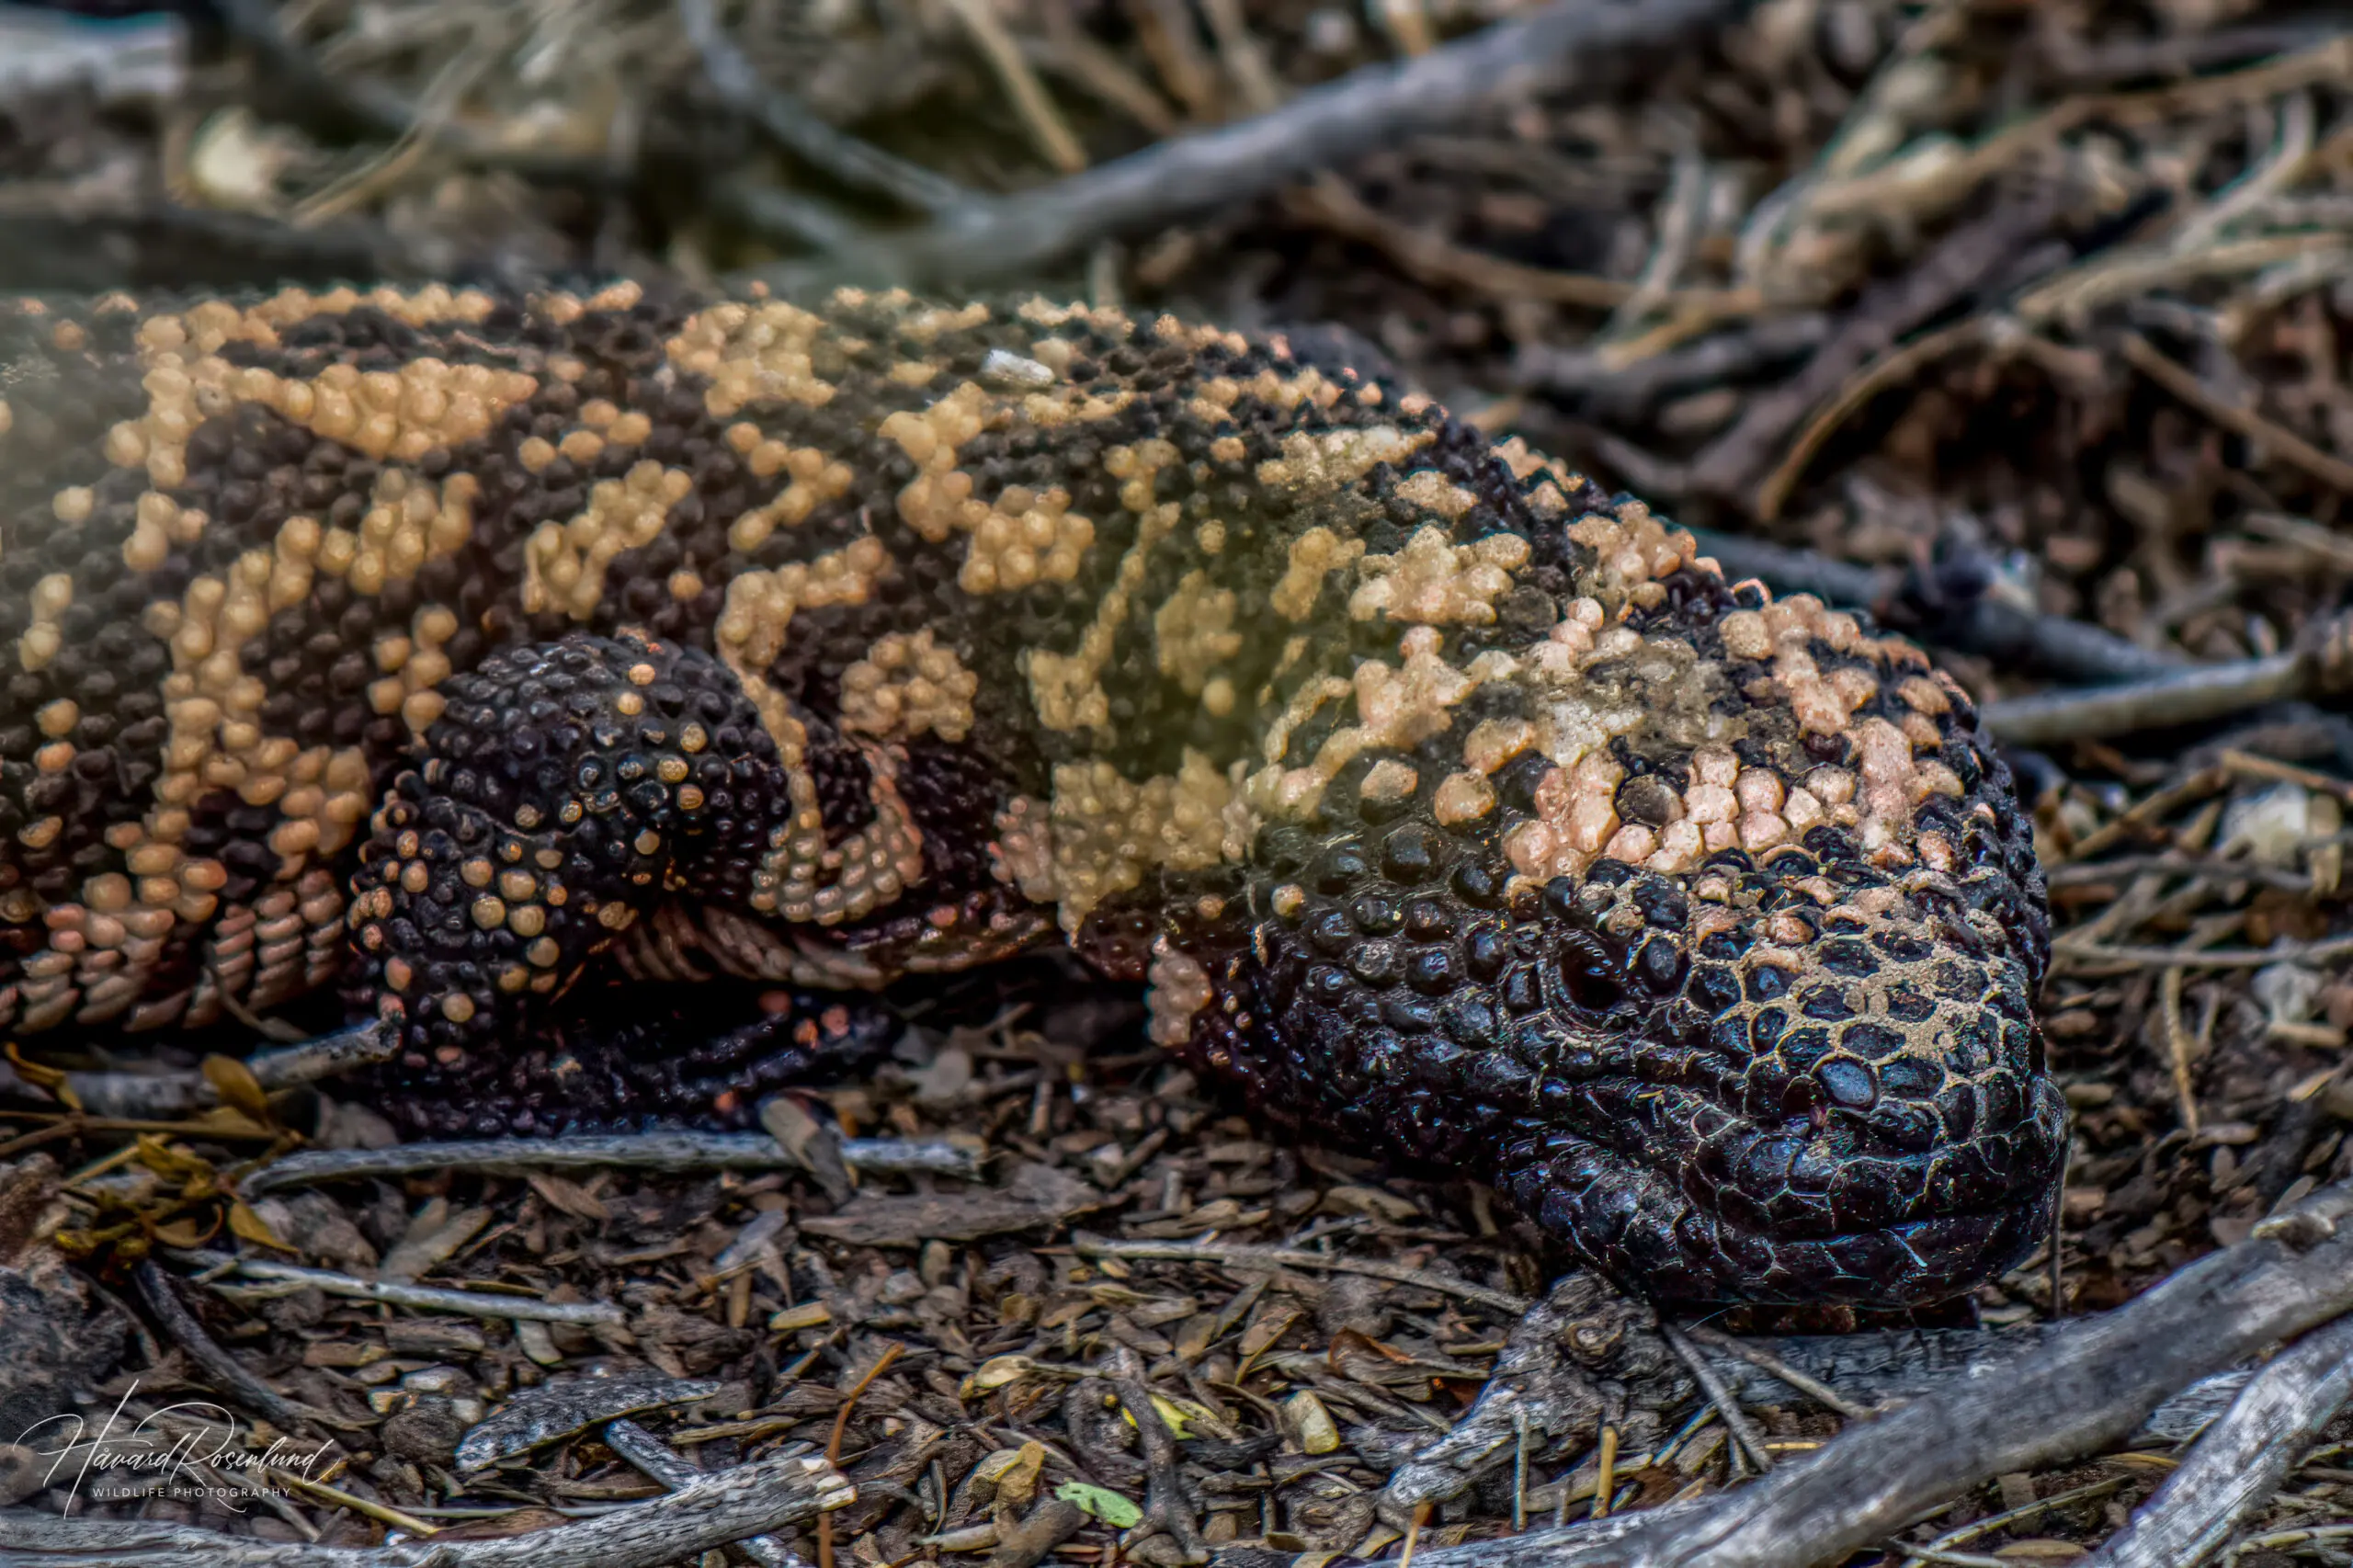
1097,1502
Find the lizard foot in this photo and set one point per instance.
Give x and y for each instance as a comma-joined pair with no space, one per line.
1585,1357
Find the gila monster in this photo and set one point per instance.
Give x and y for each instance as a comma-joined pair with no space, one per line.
446,644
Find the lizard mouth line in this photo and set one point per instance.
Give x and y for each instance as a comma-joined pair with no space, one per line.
1757,1214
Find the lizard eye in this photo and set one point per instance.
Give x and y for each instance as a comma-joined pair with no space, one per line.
1590,972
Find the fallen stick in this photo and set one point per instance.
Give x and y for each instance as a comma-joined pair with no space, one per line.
140,1095
2240,1462
2320,668
2091,1382
710,1511
1249,1254
1166,1510
1956,268
665,1464
1897,1366
430,1297
228,1375
1049,1523
1589,380
789,123
1857,1375
2072,650
668,1153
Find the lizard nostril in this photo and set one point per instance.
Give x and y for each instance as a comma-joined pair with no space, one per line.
1589,973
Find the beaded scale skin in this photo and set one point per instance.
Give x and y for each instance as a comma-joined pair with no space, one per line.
449,645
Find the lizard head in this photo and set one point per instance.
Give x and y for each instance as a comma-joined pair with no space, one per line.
1711,931
1789,1077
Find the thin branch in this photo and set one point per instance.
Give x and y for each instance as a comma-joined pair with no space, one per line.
2323,951
2242,1459
335,103
481,1303
841,1424
1055,141
710,1511
1896,364
1895,1366
1957,266
2283,444
229,1375
2185,697
1764,1360
2181,55
564,1407
1603,385
136,1095
2213,867
1941,1549
1432,258
668,1153
1367,110
794,217
2321,666
1250,1256
1166,1509
791,125
1978,623
1744,1435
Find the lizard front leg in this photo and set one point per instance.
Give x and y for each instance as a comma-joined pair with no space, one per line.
567,786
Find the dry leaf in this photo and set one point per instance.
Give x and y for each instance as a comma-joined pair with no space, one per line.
808,1315
996,1372
252,1227
568,1195
1311,1425
238,1088
1261,1336
183,1231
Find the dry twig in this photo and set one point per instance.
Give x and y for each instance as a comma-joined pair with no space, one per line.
136,1095
1982,623
2265,434
855,164
1764,1360
1250,1256
665,1464
1165,1510
665,1151
228,1375
2320,667
2242,1459
2086,954
1962,262
481,1303
891,1353
1223,168
710,1511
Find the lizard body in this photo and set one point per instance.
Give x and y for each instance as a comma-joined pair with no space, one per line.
447,646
